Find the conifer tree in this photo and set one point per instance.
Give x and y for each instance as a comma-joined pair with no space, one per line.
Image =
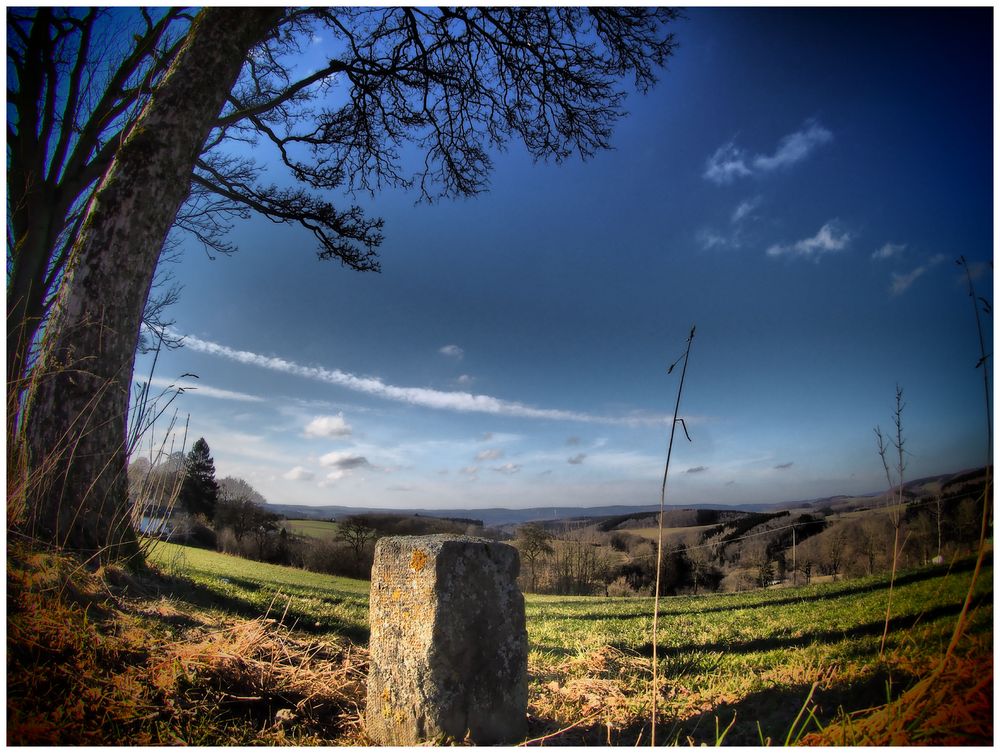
200,491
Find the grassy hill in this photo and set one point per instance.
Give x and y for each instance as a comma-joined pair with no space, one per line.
213,649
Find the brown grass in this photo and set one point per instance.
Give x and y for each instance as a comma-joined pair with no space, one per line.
96,658
951,707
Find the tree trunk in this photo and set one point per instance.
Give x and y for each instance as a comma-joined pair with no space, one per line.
76,411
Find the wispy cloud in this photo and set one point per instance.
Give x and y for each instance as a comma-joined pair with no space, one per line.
195,388
452,351
462,402
729,162
709,238
697,469
577,459
492,454
901,282
783,466
829,238
888,251
745,209
794,147
508,469
328,426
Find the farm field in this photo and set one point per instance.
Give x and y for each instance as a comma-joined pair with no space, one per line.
749,660
317,529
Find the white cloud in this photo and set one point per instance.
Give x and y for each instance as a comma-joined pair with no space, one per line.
889,250
745,209
194,388
464,380
493,454
452,351
344,461
901,282
709,239
332,477
508,468
726,164
298,473
828,238
470,470
729,162
794,147
462,402
328,426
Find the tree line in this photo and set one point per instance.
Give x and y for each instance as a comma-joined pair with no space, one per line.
753,551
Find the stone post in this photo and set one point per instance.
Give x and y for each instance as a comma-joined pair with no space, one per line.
449,649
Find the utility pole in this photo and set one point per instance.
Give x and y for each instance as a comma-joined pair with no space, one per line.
794,577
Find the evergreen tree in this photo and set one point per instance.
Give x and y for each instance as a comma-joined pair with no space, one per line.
200,491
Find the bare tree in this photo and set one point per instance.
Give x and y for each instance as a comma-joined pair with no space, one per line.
356,533
454,82
534,543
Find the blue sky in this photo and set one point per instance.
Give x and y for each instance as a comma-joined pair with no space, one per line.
798,186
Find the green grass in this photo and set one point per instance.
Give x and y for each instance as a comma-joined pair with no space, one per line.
755,655
315,602
317,529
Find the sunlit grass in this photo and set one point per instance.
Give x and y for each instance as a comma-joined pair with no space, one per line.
755,654
311,601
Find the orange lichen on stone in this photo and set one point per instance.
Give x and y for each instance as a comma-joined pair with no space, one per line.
418,560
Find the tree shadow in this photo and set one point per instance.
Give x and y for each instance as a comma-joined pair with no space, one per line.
915,576
772,643
767,717
296,617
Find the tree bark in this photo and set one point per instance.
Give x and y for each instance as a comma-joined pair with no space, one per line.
75,417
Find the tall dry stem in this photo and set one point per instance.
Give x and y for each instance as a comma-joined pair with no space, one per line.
982,363
894,500
659,537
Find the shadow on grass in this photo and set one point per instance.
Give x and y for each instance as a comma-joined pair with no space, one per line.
770,714
298,618
899,624
915,576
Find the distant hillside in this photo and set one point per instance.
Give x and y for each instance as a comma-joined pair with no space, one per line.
502,516
495,516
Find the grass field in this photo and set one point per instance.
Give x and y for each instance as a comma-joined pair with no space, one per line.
752,659
314,602
317,529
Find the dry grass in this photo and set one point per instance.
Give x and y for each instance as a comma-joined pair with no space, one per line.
97,664
592,698
948,707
